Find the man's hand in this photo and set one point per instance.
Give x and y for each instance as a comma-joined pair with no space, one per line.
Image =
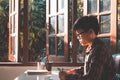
62,75
69,74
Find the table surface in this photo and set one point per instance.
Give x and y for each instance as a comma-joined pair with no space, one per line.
37,75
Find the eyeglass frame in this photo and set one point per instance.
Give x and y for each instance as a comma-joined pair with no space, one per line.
80,34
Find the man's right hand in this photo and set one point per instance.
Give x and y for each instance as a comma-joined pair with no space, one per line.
62,75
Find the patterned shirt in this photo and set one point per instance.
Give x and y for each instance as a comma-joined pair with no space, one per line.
99,63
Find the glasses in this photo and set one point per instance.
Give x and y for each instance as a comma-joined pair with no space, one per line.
80,34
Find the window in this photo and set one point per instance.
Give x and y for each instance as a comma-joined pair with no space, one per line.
13,30
58,34
106,14
57,25
57,30
27,30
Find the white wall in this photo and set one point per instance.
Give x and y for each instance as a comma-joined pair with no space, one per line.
11,72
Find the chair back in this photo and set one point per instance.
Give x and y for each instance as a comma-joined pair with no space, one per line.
116,58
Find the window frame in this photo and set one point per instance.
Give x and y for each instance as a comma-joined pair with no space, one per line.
112,34
16,60
13,30
113,21
57,35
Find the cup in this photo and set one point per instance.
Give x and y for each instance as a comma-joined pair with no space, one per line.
40,65
49,66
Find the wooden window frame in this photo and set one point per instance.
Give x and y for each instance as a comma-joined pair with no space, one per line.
56,35
13,30
112,34
14,9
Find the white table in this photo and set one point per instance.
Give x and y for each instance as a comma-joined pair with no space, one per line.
53,75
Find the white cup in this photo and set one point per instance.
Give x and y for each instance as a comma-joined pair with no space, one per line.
40,65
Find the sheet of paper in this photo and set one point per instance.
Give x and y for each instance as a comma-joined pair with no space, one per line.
38,72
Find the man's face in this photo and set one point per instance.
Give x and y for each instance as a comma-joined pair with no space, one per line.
83,37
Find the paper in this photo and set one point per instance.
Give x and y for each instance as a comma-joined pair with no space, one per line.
38,72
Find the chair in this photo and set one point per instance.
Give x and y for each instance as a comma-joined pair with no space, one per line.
116,58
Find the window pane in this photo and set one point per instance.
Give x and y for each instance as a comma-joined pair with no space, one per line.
52,6
105,24
118,50
118,43
105,5
92,6
60,5
61,46
52,45
60,23
14,24
107,41
13,5
13,46
52,25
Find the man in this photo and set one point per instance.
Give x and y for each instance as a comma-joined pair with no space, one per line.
98,63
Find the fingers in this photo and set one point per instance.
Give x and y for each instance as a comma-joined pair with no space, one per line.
62,75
